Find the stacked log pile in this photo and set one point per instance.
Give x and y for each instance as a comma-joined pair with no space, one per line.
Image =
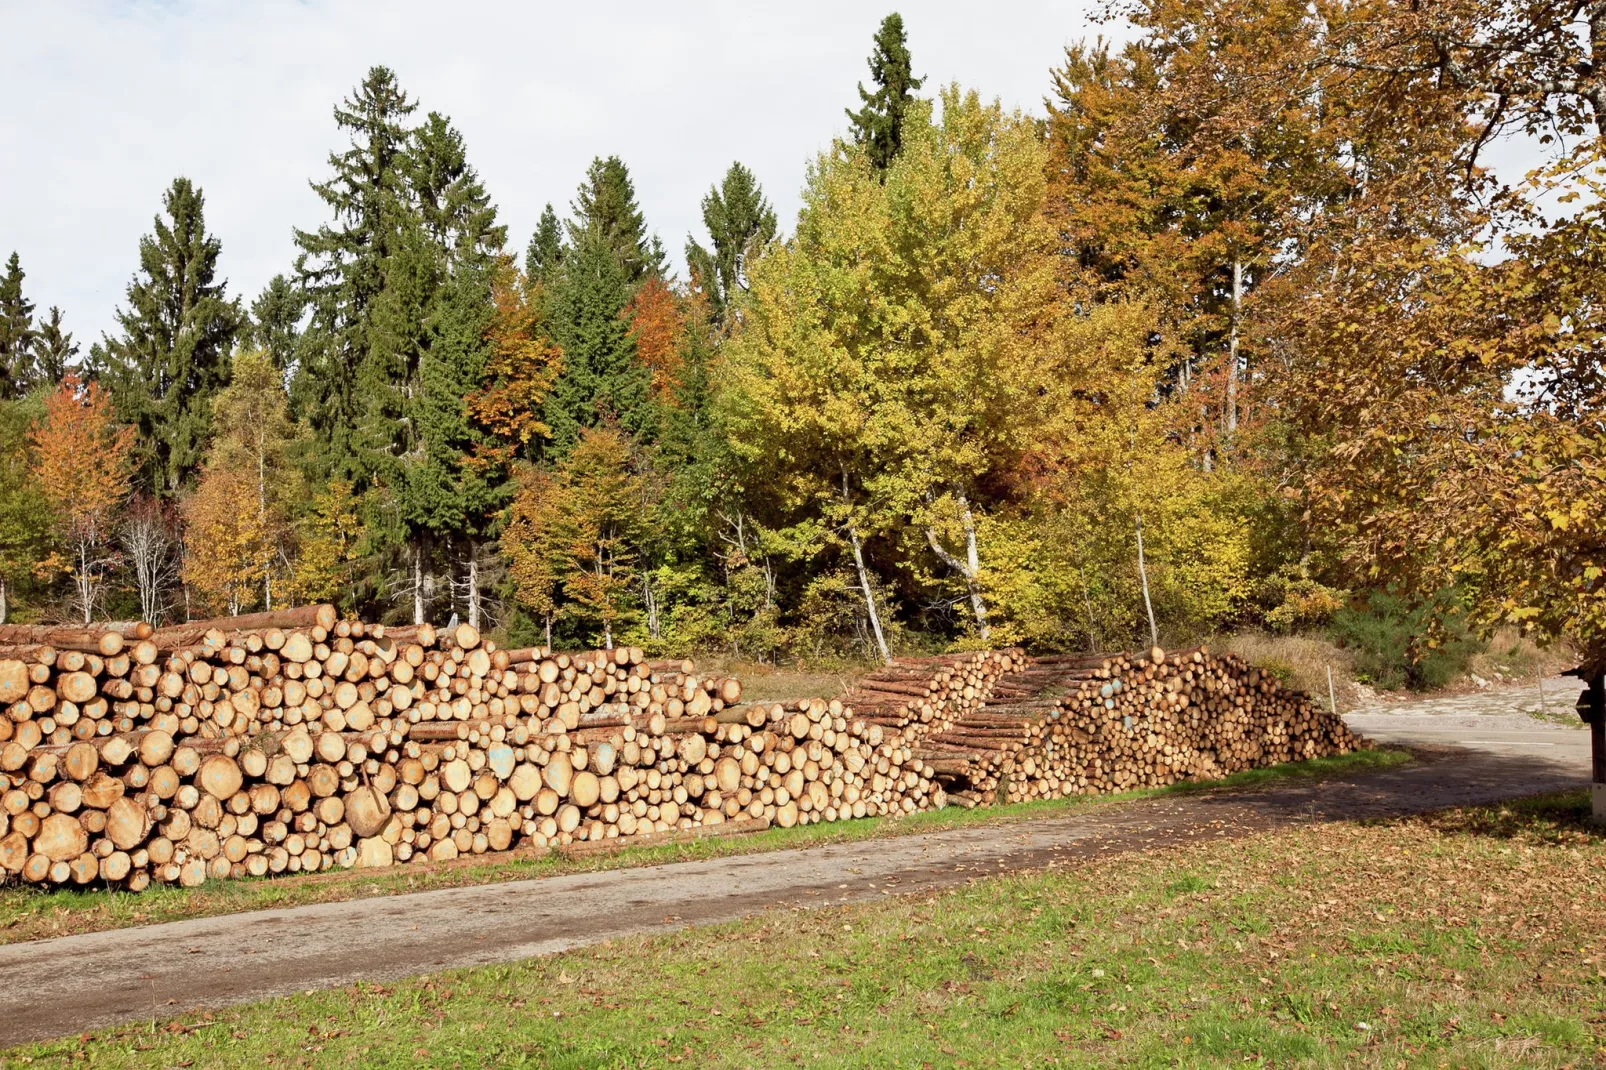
1094,725
296,742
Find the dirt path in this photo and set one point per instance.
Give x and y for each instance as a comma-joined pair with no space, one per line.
75,983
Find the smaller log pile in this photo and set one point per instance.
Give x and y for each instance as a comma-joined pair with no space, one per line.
1067,726
915,695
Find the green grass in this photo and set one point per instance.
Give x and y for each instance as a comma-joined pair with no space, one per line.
28,913
1471,938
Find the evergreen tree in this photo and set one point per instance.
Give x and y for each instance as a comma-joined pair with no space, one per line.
344,267
606,208
276,321
545,253
54,352
602,378
17,332
457,213
25,519
173,355
878,126
740,222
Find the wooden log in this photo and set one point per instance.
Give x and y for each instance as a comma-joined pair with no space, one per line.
192,632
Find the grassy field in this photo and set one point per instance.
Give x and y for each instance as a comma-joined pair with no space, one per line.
1470,938
28,913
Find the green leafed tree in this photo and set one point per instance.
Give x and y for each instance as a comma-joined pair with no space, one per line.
901,355
740,223
878,125
172,354
17,333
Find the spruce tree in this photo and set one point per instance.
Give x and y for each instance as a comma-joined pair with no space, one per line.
740,222
451,201
602,379
17,332
545,254
605,210
276,321
343,268
172,356
878,125
54,352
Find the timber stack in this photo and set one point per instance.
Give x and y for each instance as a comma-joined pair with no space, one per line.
1095,725
296,742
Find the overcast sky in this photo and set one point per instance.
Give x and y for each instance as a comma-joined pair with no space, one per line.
111,100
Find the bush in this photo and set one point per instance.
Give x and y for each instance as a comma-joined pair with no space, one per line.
1398,643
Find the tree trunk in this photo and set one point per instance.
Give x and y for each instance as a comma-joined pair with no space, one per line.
5,603
473,586
1143,574
649,596
85,589
548,617
418,582
869,596
262,521
864,579
970,567
1092,624
1232,348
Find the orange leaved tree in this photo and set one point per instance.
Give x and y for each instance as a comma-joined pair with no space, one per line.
81,464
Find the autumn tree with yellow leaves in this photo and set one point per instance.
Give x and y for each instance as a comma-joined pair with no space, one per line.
239,517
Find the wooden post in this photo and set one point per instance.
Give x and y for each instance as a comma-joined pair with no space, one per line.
1592,709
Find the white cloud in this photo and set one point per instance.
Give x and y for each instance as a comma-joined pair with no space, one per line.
111,100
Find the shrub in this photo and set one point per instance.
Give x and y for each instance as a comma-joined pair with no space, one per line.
1399,643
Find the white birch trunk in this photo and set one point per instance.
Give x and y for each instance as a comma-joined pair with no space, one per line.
1232,348
869,596
1143,574
970,567
418,583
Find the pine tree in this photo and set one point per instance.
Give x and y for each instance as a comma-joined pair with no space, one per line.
545,253
602,379
17,334
343,268
740,222
172,357
605,211
54,352
878,126
276,321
